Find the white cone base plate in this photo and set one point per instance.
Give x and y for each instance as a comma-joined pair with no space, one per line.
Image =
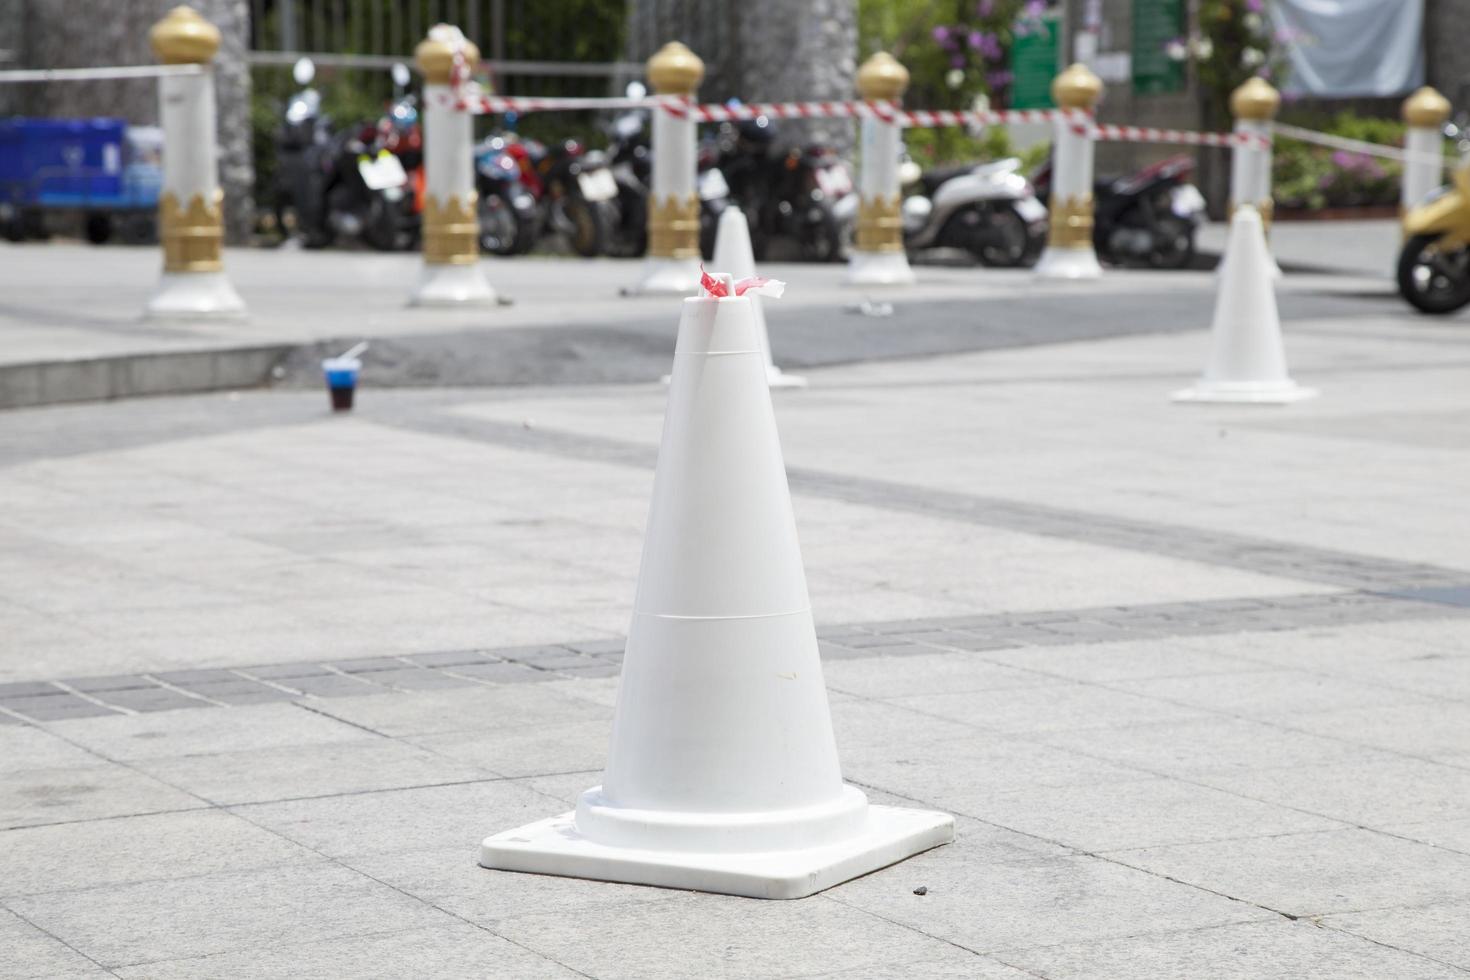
667,277
1068,263
453,285
1246,393
192,295
878,269
554,847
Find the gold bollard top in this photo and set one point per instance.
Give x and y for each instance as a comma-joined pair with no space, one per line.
1076,88
882,78
675,70
184,38
1426,109
1255,98
435,53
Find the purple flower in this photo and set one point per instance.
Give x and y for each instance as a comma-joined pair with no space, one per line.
1254,6
998,79
1034,9
985,8
1326,181
975,40
941,34
957,61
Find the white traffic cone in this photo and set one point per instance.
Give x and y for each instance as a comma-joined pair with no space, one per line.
1247,360
733,254
722,775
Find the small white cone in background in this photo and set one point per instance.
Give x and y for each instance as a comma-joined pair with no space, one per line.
722,774
733,254
1247,359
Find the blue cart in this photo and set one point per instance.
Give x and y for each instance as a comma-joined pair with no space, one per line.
102,169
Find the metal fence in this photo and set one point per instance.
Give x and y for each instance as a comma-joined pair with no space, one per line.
530,47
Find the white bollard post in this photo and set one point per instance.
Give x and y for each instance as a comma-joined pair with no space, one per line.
1425,112
1254,105
190,206
1069,251
451,273
878,256
672,266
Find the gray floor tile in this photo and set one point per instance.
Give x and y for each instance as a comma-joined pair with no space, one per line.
1436,931
57,707
1052,708
1137,813
1206,745
109,682
116,851
527,751
162,920
329,685
272,671
46,796
241,691
1276,950
418,679
147,699
264,775
28,747
987,906
207,731
479,708
26,689
1315,873
501,673
408,819
717,936
455,950
31,953
1380,792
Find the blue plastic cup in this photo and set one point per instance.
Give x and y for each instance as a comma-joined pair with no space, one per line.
341,375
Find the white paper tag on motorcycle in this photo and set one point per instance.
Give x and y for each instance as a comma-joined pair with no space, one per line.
597,185
382,172
834,181
1030,209
712,185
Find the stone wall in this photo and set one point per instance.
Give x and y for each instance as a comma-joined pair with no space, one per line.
71,34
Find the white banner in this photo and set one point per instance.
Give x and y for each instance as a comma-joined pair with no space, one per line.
1343,48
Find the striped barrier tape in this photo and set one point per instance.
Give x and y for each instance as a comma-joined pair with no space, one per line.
1150,134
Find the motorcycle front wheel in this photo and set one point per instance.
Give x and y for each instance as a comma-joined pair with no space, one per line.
1432,278
498,225
587,226
1175,248
381,227
1007,243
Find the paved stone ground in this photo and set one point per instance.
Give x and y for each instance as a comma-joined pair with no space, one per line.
1194,681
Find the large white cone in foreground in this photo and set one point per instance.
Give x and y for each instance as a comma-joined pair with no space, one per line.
1247,359
733,254
722,774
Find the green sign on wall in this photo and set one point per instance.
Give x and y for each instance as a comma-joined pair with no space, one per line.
1155,24
1034,64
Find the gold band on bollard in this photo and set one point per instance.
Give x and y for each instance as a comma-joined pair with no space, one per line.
451,230
191,236
1264,209
1071,222
673,227
879,224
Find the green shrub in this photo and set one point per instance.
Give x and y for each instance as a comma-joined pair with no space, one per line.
1308,176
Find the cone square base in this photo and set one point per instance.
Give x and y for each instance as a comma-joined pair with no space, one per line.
776,378
1245,394
554,847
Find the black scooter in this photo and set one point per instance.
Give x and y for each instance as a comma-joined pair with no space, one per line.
1148,218
786,191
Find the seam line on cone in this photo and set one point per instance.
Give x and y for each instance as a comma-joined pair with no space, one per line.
715,353
793,612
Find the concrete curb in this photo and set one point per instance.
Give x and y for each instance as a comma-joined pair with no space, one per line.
132,375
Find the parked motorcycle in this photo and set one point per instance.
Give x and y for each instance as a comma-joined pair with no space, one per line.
507,211
632,167
1434,265
785,191
1150,217
571,185
303,130
988,210
355,183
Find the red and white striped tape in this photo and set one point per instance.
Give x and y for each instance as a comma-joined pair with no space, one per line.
1150,134
465,98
